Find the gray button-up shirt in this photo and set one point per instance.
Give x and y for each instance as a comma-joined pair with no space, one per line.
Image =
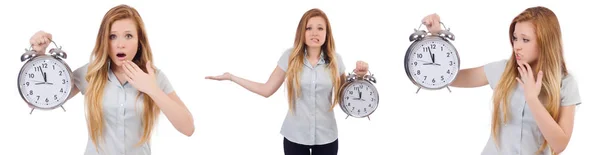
312,123
122,115
521,134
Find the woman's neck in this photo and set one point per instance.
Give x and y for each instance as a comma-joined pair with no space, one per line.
314,52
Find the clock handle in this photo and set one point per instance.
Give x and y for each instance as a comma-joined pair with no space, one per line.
418,34
58,52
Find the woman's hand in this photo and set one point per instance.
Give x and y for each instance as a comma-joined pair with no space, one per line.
40,41
362,68
432,22
224,76
529,83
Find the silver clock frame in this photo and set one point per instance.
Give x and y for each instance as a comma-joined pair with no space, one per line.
419,36
369,80
31,55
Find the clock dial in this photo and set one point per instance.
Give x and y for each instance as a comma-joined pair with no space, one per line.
360,99
45,83
433,64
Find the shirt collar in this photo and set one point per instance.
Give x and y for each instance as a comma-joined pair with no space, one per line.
321,58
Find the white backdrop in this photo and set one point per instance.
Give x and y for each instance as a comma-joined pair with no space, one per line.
191,40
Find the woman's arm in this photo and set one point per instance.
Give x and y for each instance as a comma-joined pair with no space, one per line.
264,89
469,78
175,110
556,134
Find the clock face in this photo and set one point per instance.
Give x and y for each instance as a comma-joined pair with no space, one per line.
360,99
432,63
45,83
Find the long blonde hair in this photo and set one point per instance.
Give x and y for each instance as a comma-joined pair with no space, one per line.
296,59
97,74
551,62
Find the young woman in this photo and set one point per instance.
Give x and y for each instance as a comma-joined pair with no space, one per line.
534,95
314,72
124,93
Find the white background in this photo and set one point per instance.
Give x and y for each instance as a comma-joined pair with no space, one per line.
191,40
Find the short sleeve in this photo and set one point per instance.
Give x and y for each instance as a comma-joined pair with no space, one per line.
283,60
163,82
493,72
340,63
79,78
569,91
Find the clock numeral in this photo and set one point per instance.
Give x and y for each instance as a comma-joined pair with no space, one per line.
451,63
361,86
31,75
433,80
53,68
45,65
442,78
448,71
347,98
447,54
63,81
358,110
432,46
59,73
442,48
55,97
425,77
369,105
372,99
415,63
38,98
27,83
355,88
30,92
419,55
351,92
365,110
61,90
37,69
418,72
348,103
426,49
370,93
47,100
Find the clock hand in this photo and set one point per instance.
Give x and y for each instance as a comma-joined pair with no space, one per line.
433,57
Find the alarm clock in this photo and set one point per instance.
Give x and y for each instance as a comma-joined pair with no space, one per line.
45,81
359,97
431,61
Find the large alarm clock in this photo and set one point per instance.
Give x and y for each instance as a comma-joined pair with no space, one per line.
359,96
45,81
431,61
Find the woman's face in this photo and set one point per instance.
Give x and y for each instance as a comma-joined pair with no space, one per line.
525,43
316,31
123,41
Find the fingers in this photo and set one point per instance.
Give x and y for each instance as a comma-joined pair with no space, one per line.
128,73
149,68
128,68
521,82
529,70
539,78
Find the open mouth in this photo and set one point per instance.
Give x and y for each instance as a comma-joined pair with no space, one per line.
121,55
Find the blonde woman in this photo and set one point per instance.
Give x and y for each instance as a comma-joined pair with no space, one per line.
314,72
124,93
534,95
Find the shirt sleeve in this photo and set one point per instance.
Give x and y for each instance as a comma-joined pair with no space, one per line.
569,91
283,60
79,78
340,63
493,72
163,81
